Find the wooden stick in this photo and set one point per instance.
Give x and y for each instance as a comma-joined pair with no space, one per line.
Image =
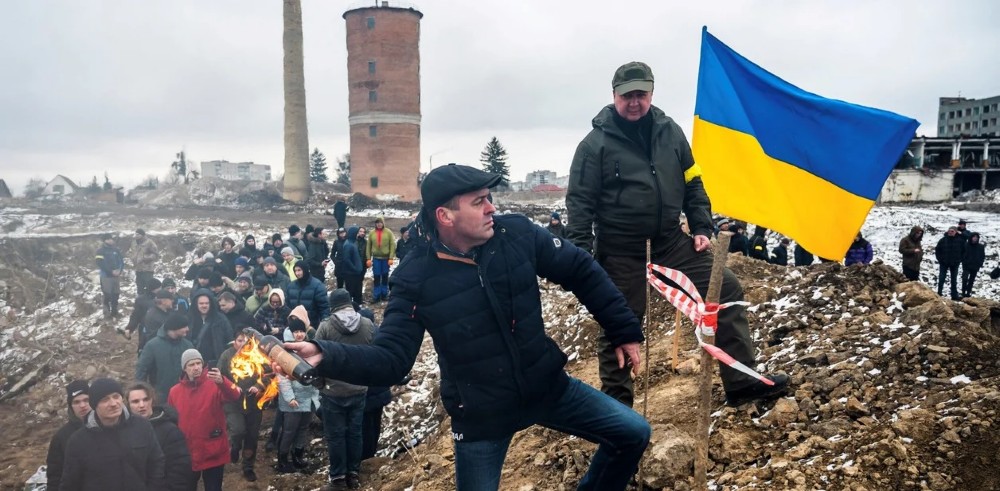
720,255
677,338
645,333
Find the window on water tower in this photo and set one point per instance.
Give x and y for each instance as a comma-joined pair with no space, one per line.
374,182
371,22
372,131
372,96
371,66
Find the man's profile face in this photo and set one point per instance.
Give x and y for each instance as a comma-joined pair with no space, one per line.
204,304
473,220
81,405
226,305
140,403
633,105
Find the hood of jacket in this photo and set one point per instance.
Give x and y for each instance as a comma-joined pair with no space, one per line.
304,280
346,320
279,293
301,314
975,235
163,414
914,231
352,233
213,304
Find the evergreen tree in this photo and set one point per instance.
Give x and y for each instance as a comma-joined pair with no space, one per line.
107,182
344,170
494,159
180,166
317,167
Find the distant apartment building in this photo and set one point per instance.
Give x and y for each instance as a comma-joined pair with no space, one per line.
236,171
971,117
539,177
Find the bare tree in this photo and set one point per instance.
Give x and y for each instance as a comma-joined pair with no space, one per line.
296,181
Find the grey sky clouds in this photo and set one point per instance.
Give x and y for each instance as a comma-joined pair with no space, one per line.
121,86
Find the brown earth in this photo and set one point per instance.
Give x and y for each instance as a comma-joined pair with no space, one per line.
873,360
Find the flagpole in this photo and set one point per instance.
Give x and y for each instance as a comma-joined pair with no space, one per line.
720,255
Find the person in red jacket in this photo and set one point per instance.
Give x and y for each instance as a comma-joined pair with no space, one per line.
199,397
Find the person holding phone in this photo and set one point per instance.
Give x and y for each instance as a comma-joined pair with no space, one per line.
199,398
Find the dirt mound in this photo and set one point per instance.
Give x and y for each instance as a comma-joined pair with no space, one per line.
893,386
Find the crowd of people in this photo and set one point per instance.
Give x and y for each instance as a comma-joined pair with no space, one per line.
469,278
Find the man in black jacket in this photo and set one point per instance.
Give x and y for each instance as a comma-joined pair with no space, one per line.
79,406
110,262
631,178
474,288
975,255
177,460
949,252
114,450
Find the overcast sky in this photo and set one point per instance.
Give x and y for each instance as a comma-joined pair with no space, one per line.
122,86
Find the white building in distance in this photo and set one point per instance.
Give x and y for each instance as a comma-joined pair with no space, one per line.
236,171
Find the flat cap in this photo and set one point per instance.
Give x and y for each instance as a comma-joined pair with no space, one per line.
448,181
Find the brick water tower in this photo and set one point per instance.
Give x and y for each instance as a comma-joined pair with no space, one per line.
383,79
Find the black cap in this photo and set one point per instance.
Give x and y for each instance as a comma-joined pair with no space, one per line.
164,295
634,75
295,324
260,282
962,222
75,388
153,284
448,181
216,279
140,231
294,229
339,298
175,321
106,237
168,282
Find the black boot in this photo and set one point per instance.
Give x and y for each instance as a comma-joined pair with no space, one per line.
284,465
249,456
298,459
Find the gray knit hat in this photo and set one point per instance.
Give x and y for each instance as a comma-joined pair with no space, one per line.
189,356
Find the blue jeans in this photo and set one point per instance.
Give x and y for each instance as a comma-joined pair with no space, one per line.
380,277
621,434
342,429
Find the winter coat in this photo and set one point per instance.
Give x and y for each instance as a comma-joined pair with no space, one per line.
255,302
908,247
802,256
348,327
151,324
202,419
860,252
109,258
268,318
779,255
337,255
975,254
633,193
289,390
297,245
403,247
485,317
318,251
177,468
352,264
278,280
740,244
239,318
340,212
143,303
950,250
226,263
160,362
246,399
380,246
758,246
123,457
310,293
289,267
144,255
212,333
559,230
363,252
55,459
271,250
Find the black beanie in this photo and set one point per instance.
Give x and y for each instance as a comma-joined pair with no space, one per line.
74,389
295,324
339,299
106,237
174,322
294,229
101,388
205,273
153,284
216,279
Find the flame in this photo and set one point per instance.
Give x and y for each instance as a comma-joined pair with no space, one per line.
250,363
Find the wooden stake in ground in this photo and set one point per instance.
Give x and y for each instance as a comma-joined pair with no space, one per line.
645,331
720,255
677,339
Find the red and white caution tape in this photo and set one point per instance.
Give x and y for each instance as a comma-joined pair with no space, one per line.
704,316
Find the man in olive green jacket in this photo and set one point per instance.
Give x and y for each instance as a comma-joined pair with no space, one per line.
630,179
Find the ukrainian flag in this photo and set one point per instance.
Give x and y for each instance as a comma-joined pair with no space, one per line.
777,156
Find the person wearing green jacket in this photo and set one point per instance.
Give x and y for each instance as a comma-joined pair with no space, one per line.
160,362
380,251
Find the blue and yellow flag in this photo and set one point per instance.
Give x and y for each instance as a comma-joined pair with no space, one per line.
777,156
